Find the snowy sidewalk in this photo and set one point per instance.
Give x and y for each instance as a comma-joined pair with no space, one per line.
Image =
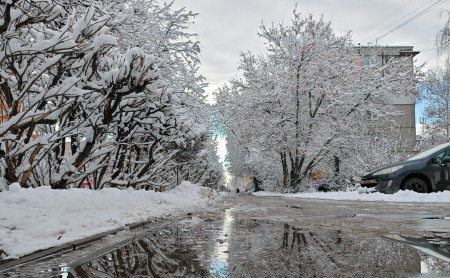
40,218
401,196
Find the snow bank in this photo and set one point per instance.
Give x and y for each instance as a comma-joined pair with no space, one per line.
401,196
34,219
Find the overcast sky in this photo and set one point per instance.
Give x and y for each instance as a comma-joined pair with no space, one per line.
228,27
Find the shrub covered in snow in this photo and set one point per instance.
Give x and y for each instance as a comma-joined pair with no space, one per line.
82,106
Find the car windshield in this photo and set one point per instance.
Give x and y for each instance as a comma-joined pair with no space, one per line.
427,152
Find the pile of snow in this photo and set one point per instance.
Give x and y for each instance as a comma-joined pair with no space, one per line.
40,218
401,196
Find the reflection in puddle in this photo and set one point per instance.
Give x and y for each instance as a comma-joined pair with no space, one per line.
219,259
242,247
327,253
144,257
434,252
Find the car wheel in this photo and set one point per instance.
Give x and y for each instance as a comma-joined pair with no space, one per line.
416,184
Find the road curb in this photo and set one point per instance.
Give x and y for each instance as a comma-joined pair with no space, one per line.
69,246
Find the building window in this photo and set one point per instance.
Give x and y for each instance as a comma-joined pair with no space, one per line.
369,63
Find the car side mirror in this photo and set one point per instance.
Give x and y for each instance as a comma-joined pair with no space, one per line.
445,160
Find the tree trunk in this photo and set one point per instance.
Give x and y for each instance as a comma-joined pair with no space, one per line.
285,169
337,163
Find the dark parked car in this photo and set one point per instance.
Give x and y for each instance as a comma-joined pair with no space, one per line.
425,172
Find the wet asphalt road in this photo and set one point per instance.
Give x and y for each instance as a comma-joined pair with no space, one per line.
248,236
363,218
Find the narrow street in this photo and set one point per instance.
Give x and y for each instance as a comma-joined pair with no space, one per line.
133,131
248,236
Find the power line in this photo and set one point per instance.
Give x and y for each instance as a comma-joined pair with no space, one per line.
408,3
428,49
411,19
398,20
422,42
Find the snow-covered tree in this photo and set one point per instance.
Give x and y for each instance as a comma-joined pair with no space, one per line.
199,164
436,93
443,36
303,105
435,90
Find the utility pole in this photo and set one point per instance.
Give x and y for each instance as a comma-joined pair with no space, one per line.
423,122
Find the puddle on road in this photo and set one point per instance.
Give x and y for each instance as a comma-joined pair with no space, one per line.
439,223
219,266
434,252
144,257
242,247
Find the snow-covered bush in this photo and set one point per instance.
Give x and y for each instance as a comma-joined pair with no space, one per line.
80,107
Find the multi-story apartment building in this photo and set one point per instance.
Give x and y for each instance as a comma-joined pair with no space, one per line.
404,104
